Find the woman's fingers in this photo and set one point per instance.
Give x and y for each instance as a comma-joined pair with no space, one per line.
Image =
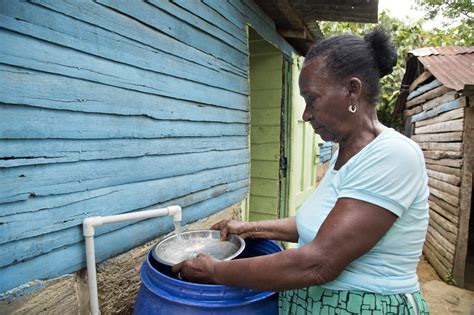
223,226
177,268
199,269
217,226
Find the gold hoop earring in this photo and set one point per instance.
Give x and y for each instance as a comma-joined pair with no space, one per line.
352,108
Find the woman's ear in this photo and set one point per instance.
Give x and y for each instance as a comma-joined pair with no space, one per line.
355,88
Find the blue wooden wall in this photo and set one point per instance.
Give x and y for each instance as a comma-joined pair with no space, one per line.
111,106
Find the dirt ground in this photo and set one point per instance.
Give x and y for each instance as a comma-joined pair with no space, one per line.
443,299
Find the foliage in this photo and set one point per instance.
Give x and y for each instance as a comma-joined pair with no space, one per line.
406,37
460,10
449,279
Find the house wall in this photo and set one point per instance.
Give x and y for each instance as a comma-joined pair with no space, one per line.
117,278
436,121
116,106
266,91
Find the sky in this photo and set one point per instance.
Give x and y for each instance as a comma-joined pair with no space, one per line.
404,10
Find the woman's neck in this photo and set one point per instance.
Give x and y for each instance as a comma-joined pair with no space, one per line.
357,140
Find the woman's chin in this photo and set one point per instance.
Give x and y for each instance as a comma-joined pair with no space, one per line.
324,135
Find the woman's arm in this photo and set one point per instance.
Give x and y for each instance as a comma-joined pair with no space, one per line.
279,230
351,229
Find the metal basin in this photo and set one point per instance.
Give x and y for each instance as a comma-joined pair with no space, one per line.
172,250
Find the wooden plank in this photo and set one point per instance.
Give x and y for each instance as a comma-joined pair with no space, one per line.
265,99
265,134
440,146
251,8
62,200
450,179
424,88
40,89
444,257
447,248
445,162
453,200
465,207
260,47
18,122
442,212
46,151
444,169
447,107
50,26
24,225
454,125
64,178
265,152
438,155
266,116
413,111
420,80
266,30
27,52
428,96
265,169
71,258
30,247
268,205
134,30
257,216
443,99
185,33
454,210
451,115
192,18
228,11
264,187
271,61
438,137
271,80
214,17
430,254
443,186
444,227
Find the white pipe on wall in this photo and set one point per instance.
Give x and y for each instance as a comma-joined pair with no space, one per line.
89,226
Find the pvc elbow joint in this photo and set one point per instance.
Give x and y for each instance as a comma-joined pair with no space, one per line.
178,213
89,224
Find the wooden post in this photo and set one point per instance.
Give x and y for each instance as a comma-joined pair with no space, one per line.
465,197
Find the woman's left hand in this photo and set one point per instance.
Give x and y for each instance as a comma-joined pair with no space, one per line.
199,269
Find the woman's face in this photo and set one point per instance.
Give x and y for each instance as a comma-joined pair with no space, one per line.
326,101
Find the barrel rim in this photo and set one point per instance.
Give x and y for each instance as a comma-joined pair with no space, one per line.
148,271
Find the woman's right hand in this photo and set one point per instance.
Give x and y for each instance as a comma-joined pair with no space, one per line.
241,228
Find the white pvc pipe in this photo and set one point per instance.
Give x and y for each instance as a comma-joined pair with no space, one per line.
89,226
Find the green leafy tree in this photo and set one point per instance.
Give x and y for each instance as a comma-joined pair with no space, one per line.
460,10
406,37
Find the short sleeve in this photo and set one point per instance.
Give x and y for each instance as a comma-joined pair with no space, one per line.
389,175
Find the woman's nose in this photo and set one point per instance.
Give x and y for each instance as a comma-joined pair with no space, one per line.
307,116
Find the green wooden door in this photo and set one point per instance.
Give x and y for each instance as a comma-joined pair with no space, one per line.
266,75
304,151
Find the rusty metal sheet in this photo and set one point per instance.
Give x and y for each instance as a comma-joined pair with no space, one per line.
453,65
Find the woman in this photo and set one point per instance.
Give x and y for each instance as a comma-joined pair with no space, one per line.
360,234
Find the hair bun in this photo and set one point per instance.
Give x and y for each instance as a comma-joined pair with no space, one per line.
384,51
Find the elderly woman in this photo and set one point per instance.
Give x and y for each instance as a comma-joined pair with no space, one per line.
360,234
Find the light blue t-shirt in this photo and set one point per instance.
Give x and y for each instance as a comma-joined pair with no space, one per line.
389,172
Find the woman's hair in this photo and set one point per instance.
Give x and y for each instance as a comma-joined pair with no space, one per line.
369,58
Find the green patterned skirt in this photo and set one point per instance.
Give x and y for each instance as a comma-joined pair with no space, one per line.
321,301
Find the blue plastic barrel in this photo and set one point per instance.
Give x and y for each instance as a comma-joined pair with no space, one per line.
162,293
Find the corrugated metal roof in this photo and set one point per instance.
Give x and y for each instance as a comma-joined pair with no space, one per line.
453,66
446,50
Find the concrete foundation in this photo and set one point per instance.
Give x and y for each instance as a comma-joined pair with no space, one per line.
118,282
